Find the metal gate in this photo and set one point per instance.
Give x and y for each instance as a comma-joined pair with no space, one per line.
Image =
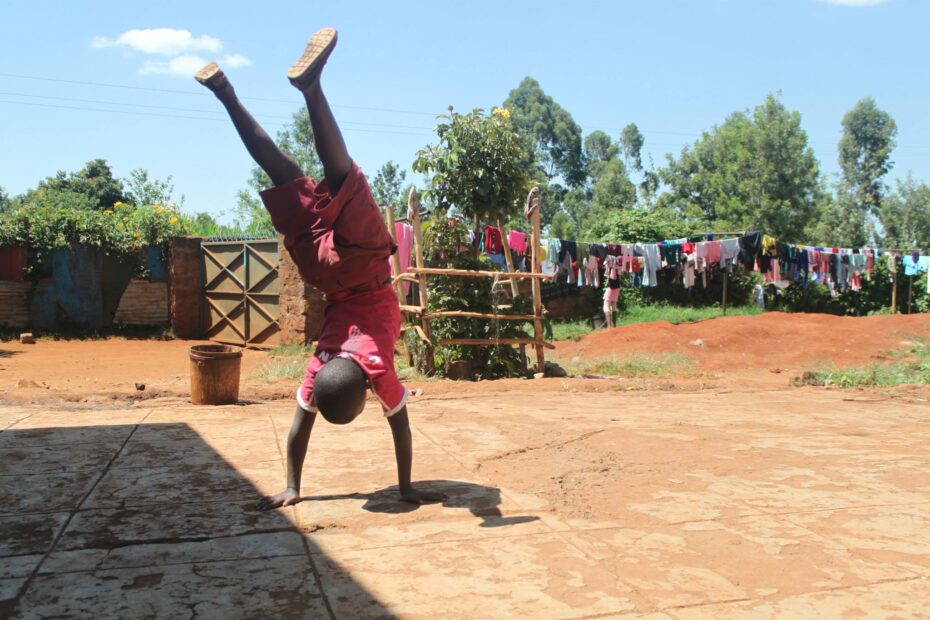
241,290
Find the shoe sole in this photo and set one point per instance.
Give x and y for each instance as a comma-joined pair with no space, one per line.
210,76
318,49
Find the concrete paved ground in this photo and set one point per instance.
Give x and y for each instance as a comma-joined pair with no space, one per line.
147,512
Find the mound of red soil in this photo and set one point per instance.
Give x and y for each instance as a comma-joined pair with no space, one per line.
773,340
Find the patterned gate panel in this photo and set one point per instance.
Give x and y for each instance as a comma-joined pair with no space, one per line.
241,291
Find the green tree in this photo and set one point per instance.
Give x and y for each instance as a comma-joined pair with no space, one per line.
205,225
5,202
95,181
631,143
599,149
143,190
553,138
295,139
865,151
477,165
753,171
905,215
388,184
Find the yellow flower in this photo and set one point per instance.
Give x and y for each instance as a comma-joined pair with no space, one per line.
108,212
119,224
136,235
173,220
118,204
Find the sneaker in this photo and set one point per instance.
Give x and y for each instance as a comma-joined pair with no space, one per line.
306,70
212,77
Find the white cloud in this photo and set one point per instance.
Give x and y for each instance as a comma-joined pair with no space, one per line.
184,66
181,47
855,2
234,61
162,41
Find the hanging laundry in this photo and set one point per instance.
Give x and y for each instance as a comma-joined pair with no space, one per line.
912,264
689,272
517,241
568,251
729,253
403,232
598,250
768,245
652,262
750,246
493,242
670,253
581,255
592,271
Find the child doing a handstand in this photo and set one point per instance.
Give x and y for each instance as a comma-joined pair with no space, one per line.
335,233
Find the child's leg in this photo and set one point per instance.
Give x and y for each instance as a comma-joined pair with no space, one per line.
305,76
328,139
261,147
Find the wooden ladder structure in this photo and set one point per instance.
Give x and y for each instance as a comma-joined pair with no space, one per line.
419,272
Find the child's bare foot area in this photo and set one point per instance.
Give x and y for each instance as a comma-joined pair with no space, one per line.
305,72
288,497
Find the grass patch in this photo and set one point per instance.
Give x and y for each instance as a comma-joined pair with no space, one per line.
286,361
129,332
289,361
571,330
914,368
575,330
405,372
680,314
635,365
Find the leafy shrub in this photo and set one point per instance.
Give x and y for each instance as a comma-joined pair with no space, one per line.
48,219
446,245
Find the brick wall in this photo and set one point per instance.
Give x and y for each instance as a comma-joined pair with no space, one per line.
185,287
301,305
143,303
14,303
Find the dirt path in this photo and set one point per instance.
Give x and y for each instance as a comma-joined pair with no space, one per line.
731,352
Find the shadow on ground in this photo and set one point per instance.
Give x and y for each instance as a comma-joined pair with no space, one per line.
481,500
144,520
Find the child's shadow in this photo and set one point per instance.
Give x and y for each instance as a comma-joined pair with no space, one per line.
482,501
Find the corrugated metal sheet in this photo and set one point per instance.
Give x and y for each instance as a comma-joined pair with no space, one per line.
14,303
143,303
260,236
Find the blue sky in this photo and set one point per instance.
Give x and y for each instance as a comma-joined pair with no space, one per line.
76,83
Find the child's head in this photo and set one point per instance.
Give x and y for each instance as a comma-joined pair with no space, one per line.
339,390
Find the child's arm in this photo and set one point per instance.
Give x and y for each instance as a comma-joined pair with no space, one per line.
403,451
297,441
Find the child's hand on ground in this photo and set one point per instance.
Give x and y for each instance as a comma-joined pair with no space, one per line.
284,498
412,496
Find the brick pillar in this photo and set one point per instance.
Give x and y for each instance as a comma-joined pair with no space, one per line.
185,287
300,305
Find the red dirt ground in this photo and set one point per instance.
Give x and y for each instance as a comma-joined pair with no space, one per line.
746,351
770,341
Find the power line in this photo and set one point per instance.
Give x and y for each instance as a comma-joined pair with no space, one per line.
350,107
204,94
196,110
196,118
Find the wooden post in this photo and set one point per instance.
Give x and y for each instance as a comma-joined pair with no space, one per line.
397,283
508,259
910,292
894,285
395,259
413,213
725,282
532,207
